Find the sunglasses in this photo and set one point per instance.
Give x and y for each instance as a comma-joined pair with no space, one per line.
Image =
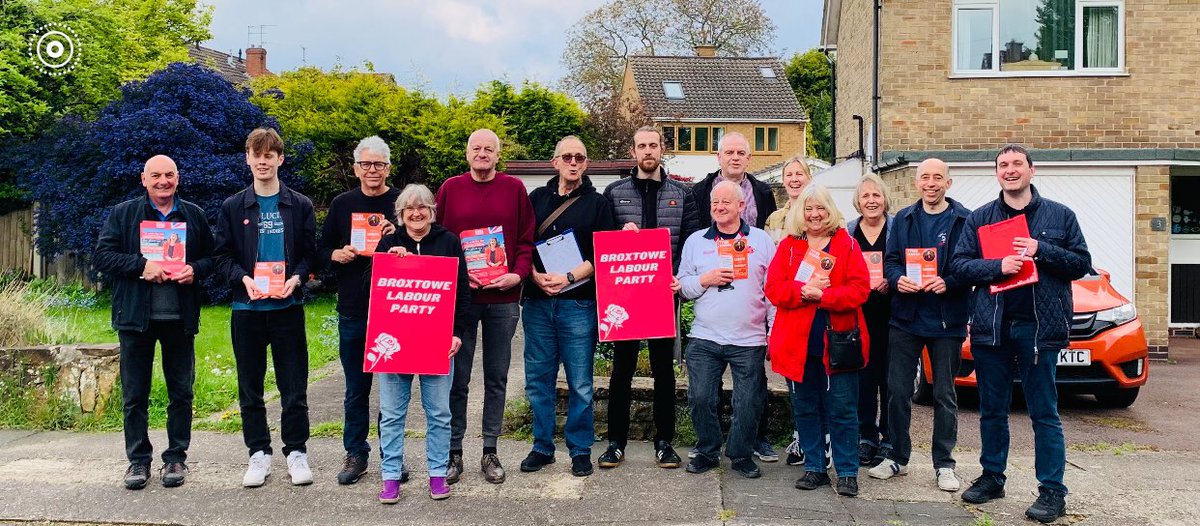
368,165
577,157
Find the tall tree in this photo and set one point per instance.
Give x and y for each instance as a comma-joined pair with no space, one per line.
810,76
536,116
600,42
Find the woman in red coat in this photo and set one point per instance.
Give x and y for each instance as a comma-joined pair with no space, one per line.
824,292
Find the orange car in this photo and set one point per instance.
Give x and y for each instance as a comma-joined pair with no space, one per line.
1107,356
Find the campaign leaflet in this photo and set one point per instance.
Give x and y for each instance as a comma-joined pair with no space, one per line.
920,265
268,277
165,243
735,254
874,261
996,241
365,232
483,249
634,300
816,264
410,320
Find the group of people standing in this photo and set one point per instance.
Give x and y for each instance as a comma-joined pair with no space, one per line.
846,342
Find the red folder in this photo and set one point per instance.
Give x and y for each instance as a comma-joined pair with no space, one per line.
996,240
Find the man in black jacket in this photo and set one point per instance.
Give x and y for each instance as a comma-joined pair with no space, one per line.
347,249
1027,325
733,156
155,299
648,198
266,234
925,315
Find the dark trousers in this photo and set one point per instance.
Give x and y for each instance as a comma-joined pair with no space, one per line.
995,367
283,330
662,368
706,364
499,321
826,403
945,354
356,407
179,369
873,388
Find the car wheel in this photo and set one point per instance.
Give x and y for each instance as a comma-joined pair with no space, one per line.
1117,398
922,390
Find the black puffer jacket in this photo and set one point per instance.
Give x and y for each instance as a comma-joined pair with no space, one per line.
764,199
1062,257
676,210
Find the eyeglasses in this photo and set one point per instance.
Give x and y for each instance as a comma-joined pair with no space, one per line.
368,165
577,157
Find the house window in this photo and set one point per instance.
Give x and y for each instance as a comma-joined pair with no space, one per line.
1038,37
685,139
766,139
717,133
701,142
668,134
673,90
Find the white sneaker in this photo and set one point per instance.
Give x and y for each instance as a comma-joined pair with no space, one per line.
258,470
298,468
888,469
947,480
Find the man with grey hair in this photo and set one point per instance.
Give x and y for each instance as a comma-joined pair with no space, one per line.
484,198
733,157
346,244
730,328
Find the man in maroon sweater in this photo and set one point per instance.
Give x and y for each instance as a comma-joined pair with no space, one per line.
483,199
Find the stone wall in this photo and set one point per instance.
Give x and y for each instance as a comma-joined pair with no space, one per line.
84,374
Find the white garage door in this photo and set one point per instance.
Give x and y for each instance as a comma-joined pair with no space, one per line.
1101,196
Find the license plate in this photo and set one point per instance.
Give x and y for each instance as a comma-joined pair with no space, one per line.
1074,357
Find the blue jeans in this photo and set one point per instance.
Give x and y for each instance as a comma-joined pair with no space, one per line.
395,390
706,361
356,408
834,397
994,369
560,331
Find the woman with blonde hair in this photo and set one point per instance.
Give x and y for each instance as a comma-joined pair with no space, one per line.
795,177
870,230
819,341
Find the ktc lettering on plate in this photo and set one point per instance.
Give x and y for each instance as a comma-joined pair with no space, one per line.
410,321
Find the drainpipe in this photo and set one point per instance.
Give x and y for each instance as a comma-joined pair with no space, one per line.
875,93
832,104
862,152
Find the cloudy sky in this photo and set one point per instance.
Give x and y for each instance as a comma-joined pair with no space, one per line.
442,46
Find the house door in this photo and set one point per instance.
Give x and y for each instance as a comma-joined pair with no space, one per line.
1185,250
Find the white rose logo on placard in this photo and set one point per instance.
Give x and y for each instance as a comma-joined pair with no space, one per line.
53,50
385,346
614,316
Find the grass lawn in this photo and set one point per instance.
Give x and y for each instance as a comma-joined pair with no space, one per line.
216,373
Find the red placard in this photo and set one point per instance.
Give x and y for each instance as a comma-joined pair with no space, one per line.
410,322
996,241
634,300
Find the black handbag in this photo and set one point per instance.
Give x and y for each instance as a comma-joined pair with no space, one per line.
845,349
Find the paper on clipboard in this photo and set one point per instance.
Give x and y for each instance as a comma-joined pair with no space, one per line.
560,255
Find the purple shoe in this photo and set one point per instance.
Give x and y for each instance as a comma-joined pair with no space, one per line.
390,493
438,489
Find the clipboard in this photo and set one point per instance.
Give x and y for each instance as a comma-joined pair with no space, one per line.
560,255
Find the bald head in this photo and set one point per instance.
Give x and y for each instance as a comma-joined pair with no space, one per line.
483,152
161,179
933,180
159,163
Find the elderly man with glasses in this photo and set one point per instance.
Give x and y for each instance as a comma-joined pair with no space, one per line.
355,218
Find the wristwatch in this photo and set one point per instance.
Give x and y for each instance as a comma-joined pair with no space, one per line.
570,278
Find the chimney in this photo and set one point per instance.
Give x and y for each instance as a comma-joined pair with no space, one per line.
705,50
256,62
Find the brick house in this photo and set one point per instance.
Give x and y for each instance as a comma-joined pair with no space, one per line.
1103,91
235,69
695,100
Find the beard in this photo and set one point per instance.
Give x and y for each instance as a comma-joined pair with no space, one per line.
649,165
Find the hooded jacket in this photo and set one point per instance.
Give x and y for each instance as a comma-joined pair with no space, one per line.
590,213
438,242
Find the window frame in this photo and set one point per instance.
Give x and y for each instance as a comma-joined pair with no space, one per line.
766,139
1078,71
673,83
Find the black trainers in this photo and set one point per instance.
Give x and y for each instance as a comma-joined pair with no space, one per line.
847,486
795,456
701,464
612,457
984,489
535,461
866,454
404,473
172,474
137,475
1050,505
667,458
581,465
746,468
453,471
812,480
353,467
